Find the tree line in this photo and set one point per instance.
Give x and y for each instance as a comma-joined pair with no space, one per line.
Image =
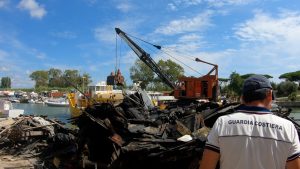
231,86
140,72
56,78
5,82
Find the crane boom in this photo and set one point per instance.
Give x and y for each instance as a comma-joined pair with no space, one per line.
215,67
145,57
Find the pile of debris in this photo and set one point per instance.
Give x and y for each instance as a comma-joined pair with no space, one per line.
34,142
107,136
128,136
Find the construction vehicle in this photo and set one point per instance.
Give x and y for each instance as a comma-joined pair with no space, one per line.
187,88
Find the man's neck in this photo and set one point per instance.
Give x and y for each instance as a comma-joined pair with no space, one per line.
257,104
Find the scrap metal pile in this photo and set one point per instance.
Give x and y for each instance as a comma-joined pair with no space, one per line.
129,136
34,142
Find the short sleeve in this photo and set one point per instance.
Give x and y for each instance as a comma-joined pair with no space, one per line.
213,138
295,148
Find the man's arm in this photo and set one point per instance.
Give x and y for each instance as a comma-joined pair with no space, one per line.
210,159
294,164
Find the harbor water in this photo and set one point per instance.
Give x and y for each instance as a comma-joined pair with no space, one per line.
63,113
60,113
296,114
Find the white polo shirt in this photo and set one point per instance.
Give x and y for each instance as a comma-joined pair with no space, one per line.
254,138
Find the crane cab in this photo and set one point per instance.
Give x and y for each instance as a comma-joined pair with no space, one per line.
204,87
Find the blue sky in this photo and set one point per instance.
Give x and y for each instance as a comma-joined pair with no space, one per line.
246,36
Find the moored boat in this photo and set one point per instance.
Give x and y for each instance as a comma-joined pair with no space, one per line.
57,103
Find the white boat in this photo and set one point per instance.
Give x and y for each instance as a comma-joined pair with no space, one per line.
57,103
36,101
7,110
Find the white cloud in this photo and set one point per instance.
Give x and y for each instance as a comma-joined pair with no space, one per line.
211,3
108,34
41,56
283,30
64,34
21,80
188,44
36,10
221,3
186,3
16,58
190,38
3,3
187,48
198,23
172,7
4,69
271,43
128,58
104,34
3,54
91,2
186,58
124,7
265,28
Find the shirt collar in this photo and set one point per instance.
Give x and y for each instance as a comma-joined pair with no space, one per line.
253,109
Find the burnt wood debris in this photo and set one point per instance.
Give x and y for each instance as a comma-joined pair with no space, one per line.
126,136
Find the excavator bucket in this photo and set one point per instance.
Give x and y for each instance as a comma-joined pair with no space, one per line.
115,79
119,79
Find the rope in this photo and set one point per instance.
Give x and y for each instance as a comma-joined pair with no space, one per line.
160,48
116,52
190,57
180,61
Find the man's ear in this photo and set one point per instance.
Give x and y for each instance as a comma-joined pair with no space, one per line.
242,99
270,94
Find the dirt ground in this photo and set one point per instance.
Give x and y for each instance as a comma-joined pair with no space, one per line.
11,162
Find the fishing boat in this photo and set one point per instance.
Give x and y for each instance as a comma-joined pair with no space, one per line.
7,110
57,102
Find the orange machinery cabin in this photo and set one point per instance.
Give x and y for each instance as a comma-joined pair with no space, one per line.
204,87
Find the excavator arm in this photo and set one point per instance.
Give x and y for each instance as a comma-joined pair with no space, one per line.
145,57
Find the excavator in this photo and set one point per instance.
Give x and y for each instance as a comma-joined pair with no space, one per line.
187,88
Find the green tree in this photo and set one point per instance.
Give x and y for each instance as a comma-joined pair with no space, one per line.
85,80
223,83
55,78
236,84
73,77
40,77
292,96
245,76
291,76
223,80
141,72
170,68
286,88
5,82
274,85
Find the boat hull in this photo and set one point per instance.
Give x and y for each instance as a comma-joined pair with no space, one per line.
54,104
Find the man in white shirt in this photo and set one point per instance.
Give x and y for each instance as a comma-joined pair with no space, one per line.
252,137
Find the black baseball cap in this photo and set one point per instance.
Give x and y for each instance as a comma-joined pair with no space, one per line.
257,83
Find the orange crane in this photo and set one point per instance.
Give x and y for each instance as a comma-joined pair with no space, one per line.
188,88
